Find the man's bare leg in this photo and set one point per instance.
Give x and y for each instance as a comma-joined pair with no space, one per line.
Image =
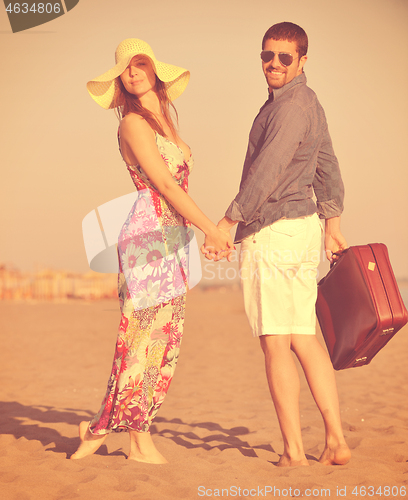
284,386
320,377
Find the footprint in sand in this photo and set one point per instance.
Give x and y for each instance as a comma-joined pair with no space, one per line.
88,479
353,443
8,477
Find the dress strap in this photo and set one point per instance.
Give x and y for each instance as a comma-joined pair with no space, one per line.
120,151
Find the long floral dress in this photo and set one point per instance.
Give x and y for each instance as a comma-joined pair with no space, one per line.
152,284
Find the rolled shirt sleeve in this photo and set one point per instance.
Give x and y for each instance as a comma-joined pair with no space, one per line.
328,184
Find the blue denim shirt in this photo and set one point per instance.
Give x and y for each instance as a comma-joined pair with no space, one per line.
289,157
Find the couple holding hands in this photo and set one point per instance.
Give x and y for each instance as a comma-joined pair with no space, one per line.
289,161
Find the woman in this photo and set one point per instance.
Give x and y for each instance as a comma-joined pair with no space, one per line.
152,247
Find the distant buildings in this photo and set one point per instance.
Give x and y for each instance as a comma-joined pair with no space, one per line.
55,285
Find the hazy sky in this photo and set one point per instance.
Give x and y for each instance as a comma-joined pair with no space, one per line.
59,158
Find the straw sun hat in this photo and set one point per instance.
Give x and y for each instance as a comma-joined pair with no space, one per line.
103,88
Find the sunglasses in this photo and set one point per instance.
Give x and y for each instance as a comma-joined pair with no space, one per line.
285,58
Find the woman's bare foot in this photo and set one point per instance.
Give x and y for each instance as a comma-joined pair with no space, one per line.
89,442
286,461
335,455
142,449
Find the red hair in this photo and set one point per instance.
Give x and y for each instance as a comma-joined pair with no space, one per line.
126,103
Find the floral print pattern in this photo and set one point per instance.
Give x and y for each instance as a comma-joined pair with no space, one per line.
152,283
154,243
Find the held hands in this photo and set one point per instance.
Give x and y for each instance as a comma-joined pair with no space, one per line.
217,245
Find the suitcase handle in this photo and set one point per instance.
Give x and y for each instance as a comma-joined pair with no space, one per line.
338,254
332,264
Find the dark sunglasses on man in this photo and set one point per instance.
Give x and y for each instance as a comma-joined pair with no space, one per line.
285,58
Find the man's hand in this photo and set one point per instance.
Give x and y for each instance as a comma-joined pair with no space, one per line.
212,249
217,245
334,241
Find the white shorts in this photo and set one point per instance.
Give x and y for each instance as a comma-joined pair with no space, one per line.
278,270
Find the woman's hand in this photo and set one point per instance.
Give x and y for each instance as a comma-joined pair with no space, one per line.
217,245
223,238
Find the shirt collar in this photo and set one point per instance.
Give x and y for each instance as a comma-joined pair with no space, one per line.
278,92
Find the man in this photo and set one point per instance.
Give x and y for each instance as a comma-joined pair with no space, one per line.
289,158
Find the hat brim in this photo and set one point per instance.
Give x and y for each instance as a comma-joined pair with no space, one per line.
103,88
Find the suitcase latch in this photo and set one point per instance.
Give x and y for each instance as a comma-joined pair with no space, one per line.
360,360
371,266
387,331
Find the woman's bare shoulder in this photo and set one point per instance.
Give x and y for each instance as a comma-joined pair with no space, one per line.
133,118
133,123
137,139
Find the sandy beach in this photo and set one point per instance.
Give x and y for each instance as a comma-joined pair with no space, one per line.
217,427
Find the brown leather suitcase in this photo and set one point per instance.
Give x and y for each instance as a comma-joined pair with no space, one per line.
359,306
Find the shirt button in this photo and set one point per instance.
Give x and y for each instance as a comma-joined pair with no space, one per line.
254,241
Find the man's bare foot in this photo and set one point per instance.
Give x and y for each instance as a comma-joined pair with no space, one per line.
286,461
336,455
142,449
89,442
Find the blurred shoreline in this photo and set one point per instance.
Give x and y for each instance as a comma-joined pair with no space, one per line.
55,285
49,285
